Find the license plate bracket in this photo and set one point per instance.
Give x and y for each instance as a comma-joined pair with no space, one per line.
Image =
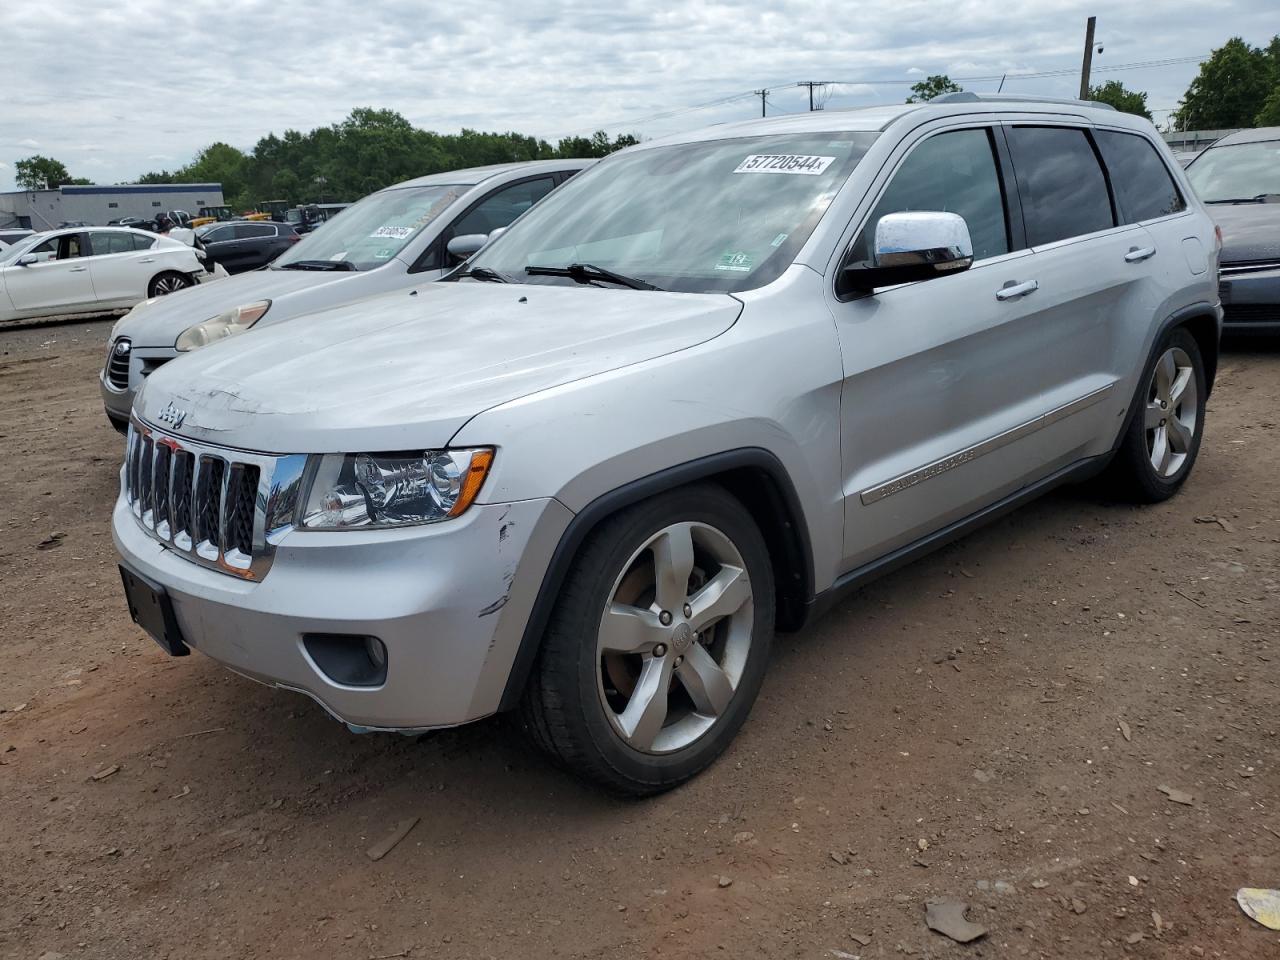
152,609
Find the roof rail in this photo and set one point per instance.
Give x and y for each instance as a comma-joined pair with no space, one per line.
968,96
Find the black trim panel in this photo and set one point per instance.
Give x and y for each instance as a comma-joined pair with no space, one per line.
584,522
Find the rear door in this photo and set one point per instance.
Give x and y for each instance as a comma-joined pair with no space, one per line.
59,280
255,245
943,378
120,270
1093,272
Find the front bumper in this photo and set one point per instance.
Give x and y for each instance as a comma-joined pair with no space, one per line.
449,601
117,402
1250,300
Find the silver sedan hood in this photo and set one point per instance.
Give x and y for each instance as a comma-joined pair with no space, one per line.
407,369
158,322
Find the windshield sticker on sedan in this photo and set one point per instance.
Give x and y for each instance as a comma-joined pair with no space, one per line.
737,262
784,163
392,233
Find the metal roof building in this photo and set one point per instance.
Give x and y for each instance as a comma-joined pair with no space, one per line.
45,209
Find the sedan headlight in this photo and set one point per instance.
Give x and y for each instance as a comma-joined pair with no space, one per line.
228,324
393,490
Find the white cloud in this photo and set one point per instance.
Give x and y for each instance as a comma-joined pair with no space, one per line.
540,69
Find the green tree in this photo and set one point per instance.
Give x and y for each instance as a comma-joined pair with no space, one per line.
41,173
1123,99
934,86
1231,88
1269,115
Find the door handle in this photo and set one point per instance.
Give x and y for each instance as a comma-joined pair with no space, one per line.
1012,290
77,269
1136,255
147,260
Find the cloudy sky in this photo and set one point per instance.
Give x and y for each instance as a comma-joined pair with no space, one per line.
114,90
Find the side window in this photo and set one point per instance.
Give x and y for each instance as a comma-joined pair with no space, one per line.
69,247
44,252
218,234
140,242
500,208
104,243
1144,189
254,230
1063,190
953,173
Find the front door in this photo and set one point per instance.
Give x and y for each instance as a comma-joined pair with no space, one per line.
943,378
59,280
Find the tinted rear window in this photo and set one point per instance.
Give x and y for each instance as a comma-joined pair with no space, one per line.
1064,193
1144,189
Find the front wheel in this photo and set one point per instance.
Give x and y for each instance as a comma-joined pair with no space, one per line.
1161,443
167,283
657,645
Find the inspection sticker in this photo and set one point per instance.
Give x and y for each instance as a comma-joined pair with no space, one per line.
784,163
392,233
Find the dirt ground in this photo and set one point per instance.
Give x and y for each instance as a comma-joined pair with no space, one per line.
994,723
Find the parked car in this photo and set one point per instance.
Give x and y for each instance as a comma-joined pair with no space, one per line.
394,239
1239,176
92,270
12,235
241,245
691,398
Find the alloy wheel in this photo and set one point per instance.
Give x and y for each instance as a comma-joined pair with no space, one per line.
1171,413
674,638
166,285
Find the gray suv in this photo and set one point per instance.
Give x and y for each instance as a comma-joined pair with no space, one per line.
688,400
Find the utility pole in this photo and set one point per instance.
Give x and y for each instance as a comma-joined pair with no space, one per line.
1088,58
810,84
763,94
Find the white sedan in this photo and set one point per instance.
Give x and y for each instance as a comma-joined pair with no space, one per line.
92,270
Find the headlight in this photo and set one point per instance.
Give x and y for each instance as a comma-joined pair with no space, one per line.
392,490
228,324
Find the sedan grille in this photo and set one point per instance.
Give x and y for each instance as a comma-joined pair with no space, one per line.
220,508
118,363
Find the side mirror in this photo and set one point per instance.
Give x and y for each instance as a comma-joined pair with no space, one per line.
27,259
496,232
917,245
467,245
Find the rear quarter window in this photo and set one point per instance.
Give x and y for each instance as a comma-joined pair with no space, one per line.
1143,185
1063,190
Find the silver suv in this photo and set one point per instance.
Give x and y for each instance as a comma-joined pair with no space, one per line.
688,400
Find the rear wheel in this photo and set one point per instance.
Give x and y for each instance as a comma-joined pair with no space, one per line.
1162,440
167,283
658,644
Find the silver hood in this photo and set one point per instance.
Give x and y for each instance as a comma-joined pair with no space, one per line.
407,369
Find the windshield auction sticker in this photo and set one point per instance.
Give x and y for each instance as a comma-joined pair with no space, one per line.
784,163
392,233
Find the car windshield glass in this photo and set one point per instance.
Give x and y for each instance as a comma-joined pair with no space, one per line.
9,254
374,230
718,215
1242,171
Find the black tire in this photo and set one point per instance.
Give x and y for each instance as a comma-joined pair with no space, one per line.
563,708
1131,475
168,282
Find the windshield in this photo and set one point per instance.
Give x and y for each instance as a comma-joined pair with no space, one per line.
1241,171
374,230
719,215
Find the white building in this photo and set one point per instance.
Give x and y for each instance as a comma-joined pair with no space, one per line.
45,209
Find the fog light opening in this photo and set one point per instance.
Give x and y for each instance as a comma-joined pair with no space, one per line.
351,660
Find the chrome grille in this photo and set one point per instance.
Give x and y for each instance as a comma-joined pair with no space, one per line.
221,508
118,355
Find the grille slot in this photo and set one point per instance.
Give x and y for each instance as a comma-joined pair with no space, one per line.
118,364
203,501
1251,312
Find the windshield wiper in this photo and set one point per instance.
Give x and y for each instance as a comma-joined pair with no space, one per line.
1260,198
485,274
318,265
589,273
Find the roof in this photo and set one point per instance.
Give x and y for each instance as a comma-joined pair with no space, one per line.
1249,136
879,118
469,176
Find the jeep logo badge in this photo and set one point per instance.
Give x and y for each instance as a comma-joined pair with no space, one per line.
172,415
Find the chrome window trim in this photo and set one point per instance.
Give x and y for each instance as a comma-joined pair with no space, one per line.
920,474
275,499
